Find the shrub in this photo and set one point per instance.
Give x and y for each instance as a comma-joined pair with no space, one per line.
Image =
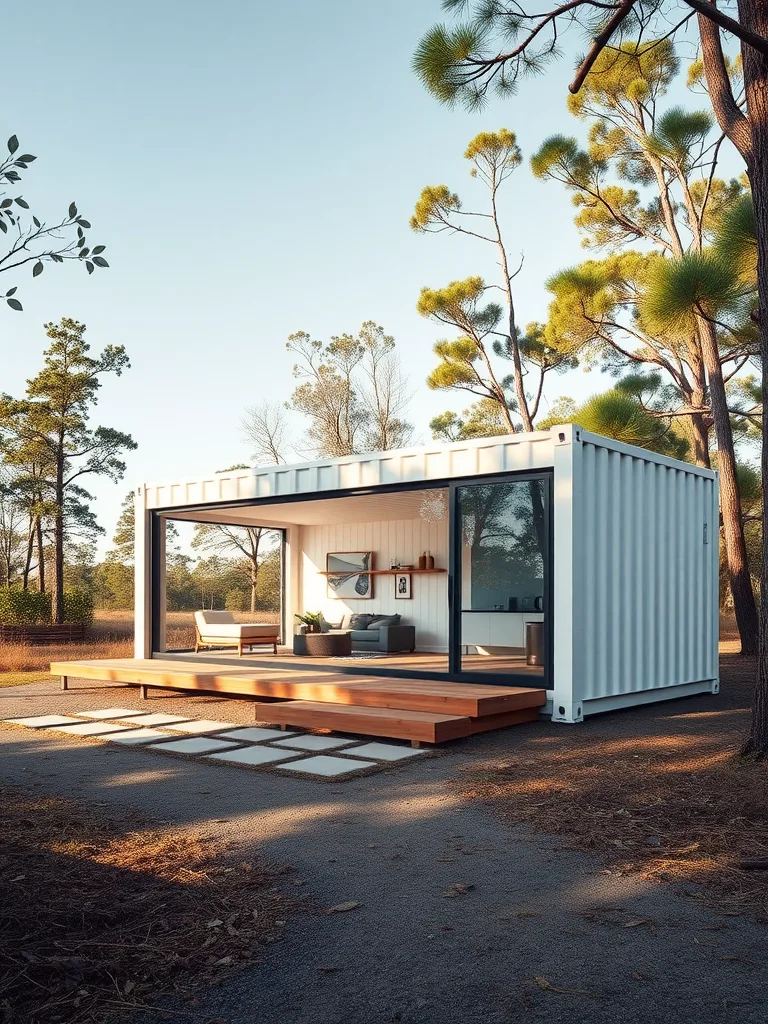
78,606
29,608
24,608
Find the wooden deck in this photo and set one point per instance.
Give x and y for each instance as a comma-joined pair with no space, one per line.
423,711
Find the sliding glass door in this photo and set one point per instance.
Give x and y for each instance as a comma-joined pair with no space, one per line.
501,579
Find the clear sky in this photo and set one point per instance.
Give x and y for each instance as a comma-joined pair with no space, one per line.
251,168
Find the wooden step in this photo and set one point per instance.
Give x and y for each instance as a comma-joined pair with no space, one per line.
471,700
503,720
475,700
418,726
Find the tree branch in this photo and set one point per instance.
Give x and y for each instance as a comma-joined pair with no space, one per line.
599,43
708,10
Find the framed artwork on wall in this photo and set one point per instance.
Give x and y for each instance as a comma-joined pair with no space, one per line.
403,586
349,575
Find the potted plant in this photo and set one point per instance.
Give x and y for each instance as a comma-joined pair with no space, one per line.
310,621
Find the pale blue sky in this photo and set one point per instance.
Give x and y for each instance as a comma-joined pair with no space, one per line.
252,169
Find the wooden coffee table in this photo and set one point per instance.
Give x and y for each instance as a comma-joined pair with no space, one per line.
322,645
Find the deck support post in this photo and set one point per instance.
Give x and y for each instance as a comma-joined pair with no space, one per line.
65,682
143,692
415,744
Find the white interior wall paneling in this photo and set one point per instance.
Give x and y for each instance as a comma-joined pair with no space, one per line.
649,580
402,540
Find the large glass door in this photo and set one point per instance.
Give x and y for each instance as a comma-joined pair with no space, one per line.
502,578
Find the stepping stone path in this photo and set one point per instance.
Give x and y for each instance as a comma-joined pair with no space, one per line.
210,740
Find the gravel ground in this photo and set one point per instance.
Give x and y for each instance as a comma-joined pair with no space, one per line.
460,919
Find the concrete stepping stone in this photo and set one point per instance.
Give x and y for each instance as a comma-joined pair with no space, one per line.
200,725
155,719
194,745
90,729
310,742
326,766
255,734
107,713
133,736
45,721
385,751
254,755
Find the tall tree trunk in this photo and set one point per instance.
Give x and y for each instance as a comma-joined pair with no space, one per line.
40,555
700,434
730,499
754,15
57,596
28,556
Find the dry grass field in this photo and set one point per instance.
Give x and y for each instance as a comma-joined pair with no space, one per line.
110,637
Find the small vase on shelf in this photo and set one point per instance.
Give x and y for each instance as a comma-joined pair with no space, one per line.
423,561
430,561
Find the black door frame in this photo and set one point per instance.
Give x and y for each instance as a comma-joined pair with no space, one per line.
454,599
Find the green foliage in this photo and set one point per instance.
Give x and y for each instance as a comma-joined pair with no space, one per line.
677,132
696,284
24,607
38,243
310,618
631,73
736,238
560,153
124,538
433,206
49,431
30,608
78,606
590,301
438,63
494,155
617,414
482,419
458,304
113,585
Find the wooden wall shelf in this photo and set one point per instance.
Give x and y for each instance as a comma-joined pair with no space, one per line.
385,572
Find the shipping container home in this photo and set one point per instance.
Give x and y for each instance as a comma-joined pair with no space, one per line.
555,559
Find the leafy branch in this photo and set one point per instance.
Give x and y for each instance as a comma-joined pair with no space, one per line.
33,240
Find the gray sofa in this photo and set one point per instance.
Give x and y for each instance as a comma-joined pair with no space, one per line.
383,633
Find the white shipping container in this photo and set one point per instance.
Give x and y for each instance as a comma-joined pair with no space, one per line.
634,598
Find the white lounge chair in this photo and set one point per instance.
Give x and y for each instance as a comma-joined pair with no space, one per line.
219,629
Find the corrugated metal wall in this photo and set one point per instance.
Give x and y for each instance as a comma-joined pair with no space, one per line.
508,454
511,454
645,575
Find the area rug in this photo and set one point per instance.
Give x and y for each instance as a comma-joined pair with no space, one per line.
360,656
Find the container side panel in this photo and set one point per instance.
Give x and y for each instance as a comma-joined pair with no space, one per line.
648,574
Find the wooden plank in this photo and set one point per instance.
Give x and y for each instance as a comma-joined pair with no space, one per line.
387,572
454,698
396,724
504,720
460,699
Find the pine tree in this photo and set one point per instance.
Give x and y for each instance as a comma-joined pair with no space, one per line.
54,419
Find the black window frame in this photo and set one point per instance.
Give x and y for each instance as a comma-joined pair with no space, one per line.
454,672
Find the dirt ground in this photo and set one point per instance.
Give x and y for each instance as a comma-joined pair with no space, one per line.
659,792
105,913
